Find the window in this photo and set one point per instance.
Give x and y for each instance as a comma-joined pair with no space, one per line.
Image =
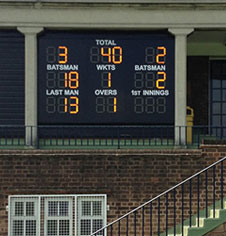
56,215
91,214
24,217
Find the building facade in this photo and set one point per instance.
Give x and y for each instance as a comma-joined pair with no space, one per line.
174,53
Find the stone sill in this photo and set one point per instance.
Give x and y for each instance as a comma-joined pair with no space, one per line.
100,152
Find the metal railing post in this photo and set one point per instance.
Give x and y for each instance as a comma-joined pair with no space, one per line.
159,216
127,225
151,219
167,214
198,178
214,186
206,187
135,224
190,201
222,185
142,221
174,211
182,209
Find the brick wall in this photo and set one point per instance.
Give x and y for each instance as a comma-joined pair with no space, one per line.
128,177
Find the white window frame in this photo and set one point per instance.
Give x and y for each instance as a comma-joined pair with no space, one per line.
58,217
78,216
73,217
23,218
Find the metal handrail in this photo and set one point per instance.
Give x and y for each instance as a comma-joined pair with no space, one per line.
160,195
116,136
87,135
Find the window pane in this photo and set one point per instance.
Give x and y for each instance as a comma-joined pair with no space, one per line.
213,131
216,83
224,108
53,208
30,208
223,83
64,227
216,121
216,108
18,228
97,208
224,121
86,208
85,227
224,133
19,208
64,206
216,95
52,227
97,224
223,94
30,228
217,131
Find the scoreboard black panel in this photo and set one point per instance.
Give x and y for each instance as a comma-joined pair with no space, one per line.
123,78
11,78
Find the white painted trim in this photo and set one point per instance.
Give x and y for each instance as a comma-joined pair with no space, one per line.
57,195
39,215
110,18
46,197
24,218
105,214
9,219
58,217
91,197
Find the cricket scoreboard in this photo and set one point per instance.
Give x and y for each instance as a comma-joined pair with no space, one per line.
116,77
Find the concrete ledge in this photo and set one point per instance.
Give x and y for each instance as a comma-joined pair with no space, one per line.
131,152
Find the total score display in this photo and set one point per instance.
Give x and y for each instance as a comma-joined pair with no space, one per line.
106,78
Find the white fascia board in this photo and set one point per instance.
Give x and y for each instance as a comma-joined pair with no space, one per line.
110,18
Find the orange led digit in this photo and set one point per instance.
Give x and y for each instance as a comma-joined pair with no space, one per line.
106,54
115,104
74,104
116,54
162,79
65,105
73,78
109,80
65,80
62,54
160,58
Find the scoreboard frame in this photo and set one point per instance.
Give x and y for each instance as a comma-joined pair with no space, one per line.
129,75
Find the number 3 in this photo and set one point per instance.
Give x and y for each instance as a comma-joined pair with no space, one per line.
62,54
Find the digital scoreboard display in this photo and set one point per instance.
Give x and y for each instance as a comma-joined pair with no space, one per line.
105,78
